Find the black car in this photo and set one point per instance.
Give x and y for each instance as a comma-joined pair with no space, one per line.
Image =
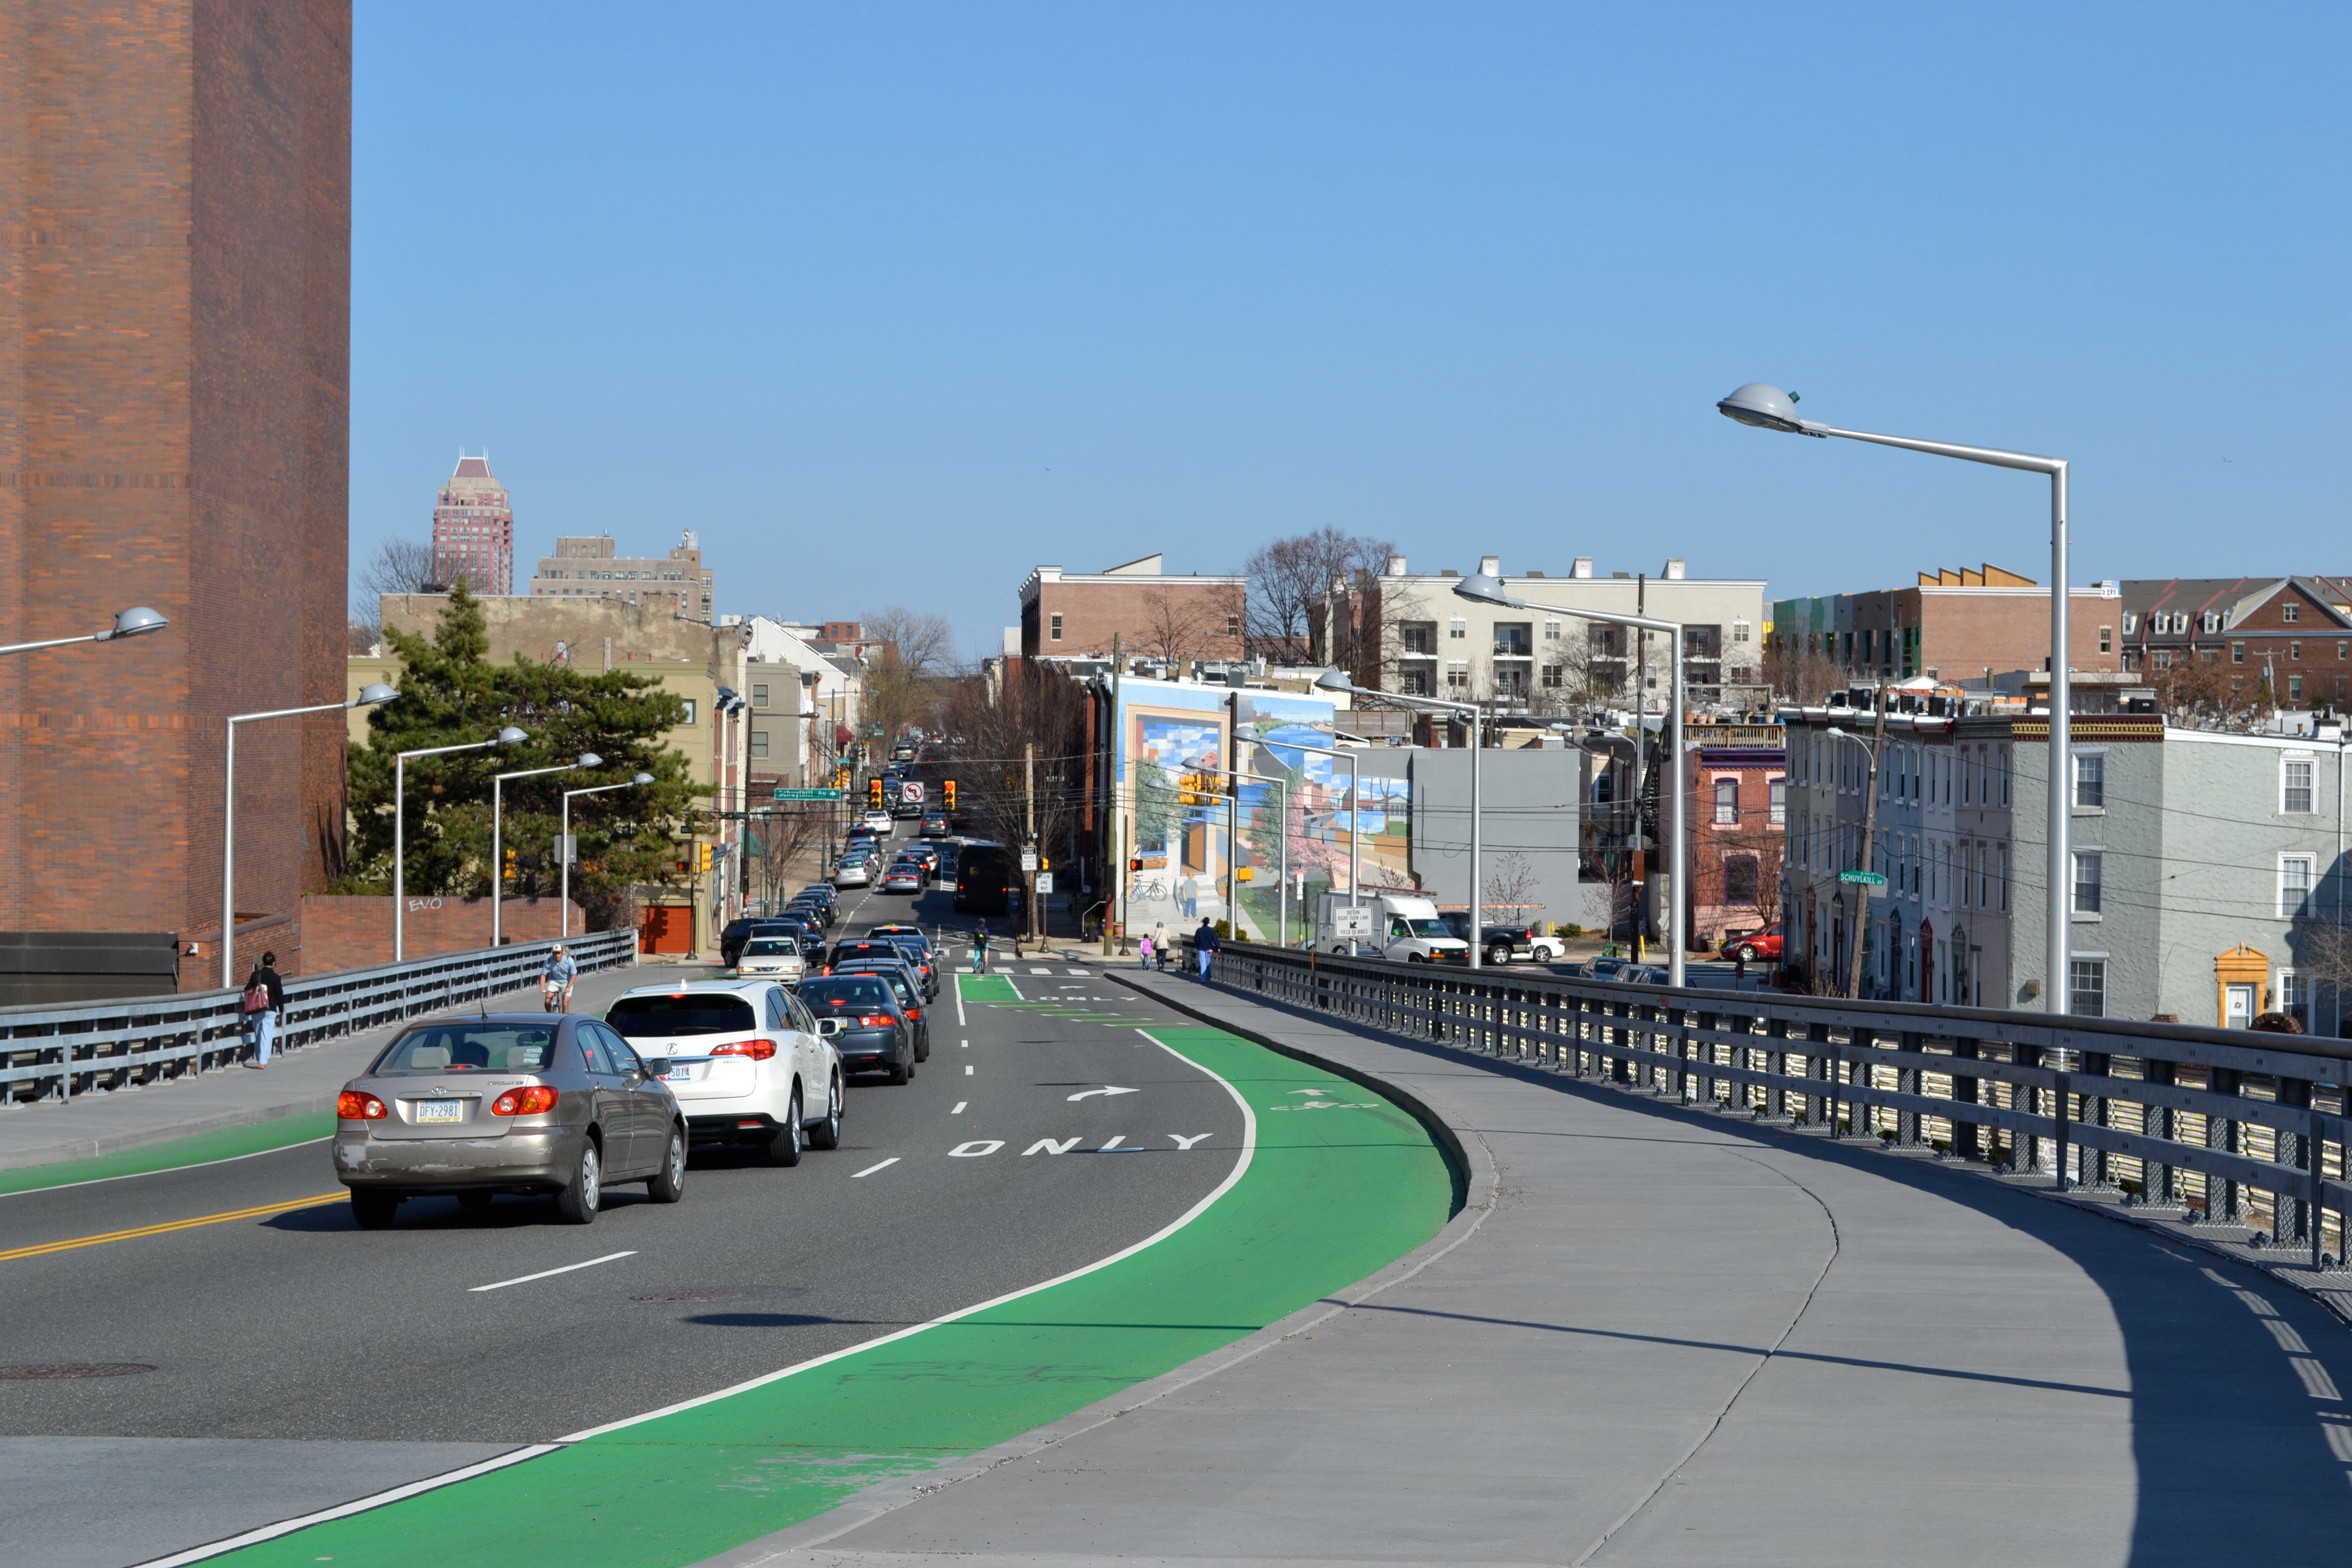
908,989
918,958
1498,944
861,1016
739,931
874,947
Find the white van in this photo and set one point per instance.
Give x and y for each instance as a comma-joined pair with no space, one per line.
1405,926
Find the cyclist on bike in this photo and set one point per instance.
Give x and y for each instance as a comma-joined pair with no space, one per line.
980,947
555,980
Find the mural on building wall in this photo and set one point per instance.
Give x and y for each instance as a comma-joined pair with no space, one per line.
1317,818
1166,733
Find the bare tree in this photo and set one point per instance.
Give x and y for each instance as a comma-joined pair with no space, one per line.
2203,693
1179,624
1029,723
1289,577
398,567
2323,957
1801,675
902,679
1510,889
781,838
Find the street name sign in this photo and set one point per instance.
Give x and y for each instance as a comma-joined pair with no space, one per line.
812,794
1863,878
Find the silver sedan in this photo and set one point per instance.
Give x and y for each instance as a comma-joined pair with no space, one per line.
472,1106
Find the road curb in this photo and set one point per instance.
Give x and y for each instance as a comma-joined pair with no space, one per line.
1477,1184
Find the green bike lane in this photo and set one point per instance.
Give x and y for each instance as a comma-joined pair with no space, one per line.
1337,1182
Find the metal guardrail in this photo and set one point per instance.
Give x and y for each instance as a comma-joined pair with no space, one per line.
59,1054
2223,1126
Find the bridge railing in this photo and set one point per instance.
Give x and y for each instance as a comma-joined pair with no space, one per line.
2223,1126
56,1054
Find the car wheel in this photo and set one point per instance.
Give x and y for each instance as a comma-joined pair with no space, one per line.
374,1211
668,1183
827,1133
1745,954
784,1148
1416,957
923,1047
576,1204
1497,954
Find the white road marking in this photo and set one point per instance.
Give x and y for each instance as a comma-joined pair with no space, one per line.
551,1273
978,1148
960,1022
1090,1093
1232,1179
1184,1142
963,1044
1040,971
1113,1146
967,1070
166,1171
1081,974
1048,1144
884,1165
958,1109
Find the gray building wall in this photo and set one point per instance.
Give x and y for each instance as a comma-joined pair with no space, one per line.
1531,806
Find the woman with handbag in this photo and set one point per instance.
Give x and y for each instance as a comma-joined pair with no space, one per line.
265,998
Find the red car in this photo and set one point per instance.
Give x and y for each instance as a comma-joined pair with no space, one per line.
1753,946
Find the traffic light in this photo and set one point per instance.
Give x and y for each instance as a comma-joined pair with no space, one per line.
702,857
947,794
1135,863
874,791
510,866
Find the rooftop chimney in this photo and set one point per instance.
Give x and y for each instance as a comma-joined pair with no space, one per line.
1674,570
1492,566
1581,567
1396,565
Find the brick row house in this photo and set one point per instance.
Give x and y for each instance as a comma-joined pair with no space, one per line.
2292,634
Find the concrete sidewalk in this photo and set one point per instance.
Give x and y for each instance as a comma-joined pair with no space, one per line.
1661,1335
47,1133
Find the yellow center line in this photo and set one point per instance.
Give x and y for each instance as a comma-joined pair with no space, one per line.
334,1198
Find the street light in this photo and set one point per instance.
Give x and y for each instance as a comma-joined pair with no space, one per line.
1768,409
1332,680
1869,842
1355,807
374,692
497,832
1282,928
509,736
1488,589
136,621
564,848
1592,744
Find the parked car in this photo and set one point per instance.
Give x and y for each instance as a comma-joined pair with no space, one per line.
908,987
745,1060
776,957
499,1102
1750,946
935,824
859,1017
1641,974
1599,968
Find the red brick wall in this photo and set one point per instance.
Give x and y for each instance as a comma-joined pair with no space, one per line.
1959,636
346,932
1133,608
174,224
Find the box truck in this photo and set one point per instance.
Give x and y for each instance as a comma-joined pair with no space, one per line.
1402,926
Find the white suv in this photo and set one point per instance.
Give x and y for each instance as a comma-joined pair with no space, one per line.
880,821
743,1058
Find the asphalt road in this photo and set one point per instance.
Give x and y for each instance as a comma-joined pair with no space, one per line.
296,1325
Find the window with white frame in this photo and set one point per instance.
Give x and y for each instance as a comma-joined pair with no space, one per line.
2004,775
2131,621
2001,877
759,742
1457,628
2293,886
2294,785
2293,996
2090,781
1726,803
1739,631
1551,631
1458,673
2290,613
2089,867
1779,796
2087,987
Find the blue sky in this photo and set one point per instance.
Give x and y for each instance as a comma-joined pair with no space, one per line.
892,302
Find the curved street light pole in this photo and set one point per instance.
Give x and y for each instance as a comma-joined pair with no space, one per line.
375,691
565,855
1355,864
1335,681
1767,407
1490,590
1282,937
136,621
509,736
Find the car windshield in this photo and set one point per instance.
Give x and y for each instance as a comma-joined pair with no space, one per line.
1420,928
478,1047
850,951
772,947
844,996
897,980
682,1013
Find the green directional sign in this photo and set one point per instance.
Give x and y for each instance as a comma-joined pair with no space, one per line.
812,795
1863,878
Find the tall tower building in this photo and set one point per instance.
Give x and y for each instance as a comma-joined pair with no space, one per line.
473,529
176,212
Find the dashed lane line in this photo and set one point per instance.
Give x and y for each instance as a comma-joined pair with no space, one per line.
552,1273
871,1169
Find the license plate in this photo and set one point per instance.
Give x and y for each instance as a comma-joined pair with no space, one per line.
679,1075
440,1111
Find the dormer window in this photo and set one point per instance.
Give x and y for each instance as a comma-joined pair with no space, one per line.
2131,621
2213,619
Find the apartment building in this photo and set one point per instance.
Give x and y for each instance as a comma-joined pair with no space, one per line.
1411,634
590,567
2292,634
1737,815
1977,626
2207,883
1179,623
473,529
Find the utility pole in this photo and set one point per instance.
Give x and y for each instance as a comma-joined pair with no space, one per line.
1640,856
1869,842
1029,836
1114,859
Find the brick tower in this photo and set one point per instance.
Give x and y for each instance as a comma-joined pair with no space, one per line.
473,529
174,431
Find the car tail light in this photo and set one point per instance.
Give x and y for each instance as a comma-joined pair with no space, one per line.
529,1101
914,1011
352,1106
758,1050
874,1021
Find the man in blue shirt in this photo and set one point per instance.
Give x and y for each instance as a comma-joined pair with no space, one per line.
555,980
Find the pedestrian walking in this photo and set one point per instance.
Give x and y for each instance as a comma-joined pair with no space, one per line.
1205,942
1145,950
1161,943
265,998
